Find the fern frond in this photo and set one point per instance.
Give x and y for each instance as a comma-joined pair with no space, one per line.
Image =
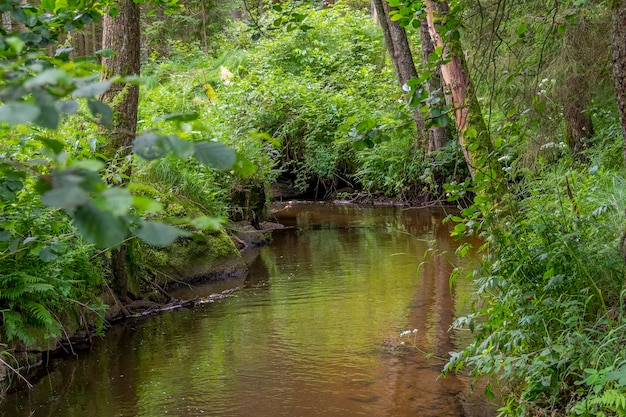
612,399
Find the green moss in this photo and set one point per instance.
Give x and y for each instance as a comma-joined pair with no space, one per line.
204,256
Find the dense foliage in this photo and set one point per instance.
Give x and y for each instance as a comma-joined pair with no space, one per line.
306,95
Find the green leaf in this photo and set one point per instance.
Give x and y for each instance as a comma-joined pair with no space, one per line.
54,145
49,76
147,204
48,118
180,147
179,117
99,227
98,108
158,234
92,165
521,29
244,167
92,90
116,200
207,223
15,43
65,197
471,133
48,5
46,254
105,53
19,113
215,155
67,106
148,146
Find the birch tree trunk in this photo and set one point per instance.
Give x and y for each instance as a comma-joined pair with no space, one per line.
122,35
471,128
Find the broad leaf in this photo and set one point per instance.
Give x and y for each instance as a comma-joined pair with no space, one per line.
46,254
99,109
116,200
179,117
93,90
215,155
19,113
148,146
158,234
65,197
99,227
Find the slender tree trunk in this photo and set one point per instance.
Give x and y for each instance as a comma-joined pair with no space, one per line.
471,128
436,135
6,21
619,61
122,34
204,30
401,57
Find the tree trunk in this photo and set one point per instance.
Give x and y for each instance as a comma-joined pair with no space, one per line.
436,135
6,21
471,128
121,34
619,61
578,124
401,57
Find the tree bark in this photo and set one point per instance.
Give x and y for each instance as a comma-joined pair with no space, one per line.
436,135
472,131
121,34
401,56
619,61
6,21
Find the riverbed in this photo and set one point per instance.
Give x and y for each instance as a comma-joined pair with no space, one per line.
313,330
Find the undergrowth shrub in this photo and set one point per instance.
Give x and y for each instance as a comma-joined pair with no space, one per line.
47,272
554,280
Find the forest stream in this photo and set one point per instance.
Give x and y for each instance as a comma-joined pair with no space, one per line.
313,330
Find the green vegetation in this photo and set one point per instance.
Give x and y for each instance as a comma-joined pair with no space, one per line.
305,94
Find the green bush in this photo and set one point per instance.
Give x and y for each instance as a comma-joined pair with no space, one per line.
554,281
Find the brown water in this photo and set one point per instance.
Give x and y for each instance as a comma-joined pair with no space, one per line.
313,331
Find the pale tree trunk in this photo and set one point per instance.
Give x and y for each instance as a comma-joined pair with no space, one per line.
6,21
471,128
619,61
436,135
401,58
122,34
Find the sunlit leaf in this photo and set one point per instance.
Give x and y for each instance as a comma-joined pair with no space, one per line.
54,145
207,223
158,234
115,200
147,204
244,167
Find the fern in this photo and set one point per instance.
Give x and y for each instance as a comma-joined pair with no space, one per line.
613,400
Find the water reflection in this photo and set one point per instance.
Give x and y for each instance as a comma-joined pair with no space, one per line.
313,331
